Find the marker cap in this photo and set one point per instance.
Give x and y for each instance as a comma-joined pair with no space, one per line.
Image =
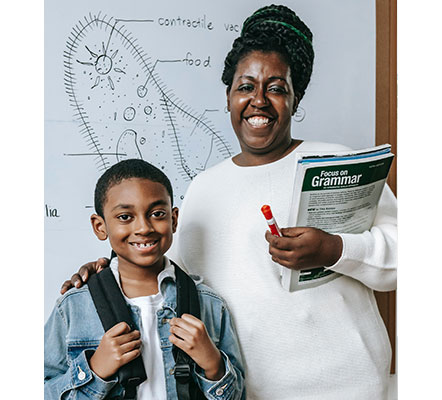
267,211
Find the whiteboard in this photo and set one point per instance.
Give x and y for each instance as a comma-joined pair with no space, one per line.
143,79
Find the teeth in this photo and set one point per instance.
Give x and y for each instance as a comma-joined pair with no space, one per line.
258,121
143,245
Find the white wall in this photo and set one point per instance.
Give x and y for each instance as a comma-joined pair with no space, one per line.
120,82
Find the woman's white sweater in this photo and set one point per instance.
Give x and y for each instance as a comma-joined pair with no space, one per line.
325,343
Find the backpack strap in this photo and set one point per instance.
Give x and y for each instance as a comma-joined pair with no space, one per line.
112,309
187,303
187,295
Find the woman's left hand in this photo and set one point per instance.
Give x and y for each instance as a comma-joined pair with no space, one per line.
304,248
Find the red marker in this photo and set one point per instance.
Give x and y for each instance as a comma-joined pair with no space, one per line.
270,220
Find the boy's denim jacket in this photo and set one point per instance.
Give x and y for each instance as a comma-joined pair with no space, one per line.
73,332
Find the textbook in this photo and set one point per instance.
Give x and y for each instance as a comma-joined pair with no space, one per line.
338,193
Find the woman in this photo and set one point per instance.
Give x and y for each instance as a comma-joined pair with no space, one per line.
328,342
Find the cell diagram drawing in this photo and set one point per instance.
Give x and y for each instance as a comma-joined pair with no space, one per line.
125,110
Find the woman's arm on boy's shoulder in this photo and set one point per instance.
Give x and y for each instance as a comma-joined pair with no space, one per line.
61,377
85,271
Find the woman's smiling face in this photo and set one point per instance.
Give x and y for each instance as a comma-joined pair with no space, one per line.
261,102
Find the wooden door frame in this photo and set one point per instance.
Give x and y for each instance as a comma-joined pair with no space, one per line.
386,127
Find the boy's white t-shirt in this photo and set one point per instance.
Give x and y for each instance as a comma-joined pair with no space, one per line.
154,388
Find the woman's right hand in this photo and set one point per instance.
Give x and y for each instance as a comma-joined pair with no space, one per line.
303,248
84,273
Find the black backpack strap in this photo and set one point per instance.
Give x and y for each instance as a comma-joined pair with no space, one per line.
186,293
112,309
187,303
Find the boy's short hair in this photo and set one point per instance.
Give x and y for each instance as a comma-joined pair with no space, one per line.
126,169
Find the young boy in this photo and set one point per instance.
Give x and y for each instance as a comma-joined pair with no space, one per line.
133,204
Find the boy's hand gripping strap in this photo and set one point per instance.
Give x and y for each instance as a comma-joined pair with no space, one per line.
187,303
112,309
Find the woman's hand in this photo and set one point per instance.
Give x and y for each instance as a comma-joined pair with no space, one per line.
84,273
118,346
304,248
190,335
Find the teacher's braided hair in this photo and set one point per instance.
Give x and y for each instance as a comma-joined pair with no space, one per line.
275,28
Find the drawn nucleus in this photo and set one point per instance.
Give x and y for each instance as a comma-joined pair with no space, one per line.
113,86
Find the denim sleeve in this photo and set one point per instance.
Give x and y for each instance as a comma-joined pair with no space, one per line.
61,376
231,385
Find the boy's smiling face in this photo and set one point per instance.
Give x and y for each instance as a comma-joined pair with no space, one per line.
139,222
